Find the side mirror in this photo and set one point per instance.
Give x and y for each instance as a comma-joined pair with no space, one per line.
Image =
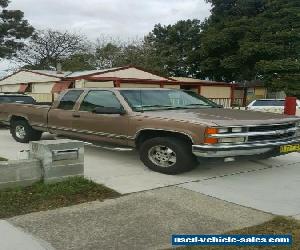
109,111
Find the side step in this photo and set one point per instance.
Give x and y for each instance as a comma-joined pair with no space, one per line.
107,147
120,149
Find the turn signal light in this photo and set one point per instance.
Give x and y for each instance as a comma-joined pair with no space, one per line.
210,131
210,140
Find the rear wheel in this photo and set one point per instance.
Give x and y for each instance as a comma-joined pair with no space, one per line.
22,132
167,155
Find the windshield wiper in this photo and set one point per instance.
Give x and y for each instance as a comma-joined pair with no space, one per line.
197,104
157,106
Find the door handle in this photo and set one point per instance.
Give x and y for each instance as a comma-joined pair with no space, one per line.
76,115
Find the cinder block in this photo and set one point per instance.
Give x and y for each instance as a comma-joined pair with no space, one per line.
19,173
60,159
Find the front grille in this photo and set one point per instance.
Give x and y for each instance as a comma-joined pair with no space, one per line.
268,128
271,127
270,137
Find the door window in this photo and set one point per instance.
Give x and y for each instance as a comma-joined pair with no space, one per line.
69,99
98,98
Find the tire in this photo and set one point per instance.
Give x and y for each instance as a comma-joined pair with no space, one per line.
167,155
22,132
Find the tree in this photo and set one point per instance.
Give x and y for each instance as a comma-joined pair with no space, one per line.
115,53
176,47
13,30
47,48
108,55
79,61
253,39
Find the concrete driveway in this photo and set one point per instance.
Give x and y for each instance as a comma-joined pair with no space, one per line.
270,185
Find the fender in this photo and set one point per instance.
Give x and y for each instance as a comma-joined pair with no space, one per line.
165,130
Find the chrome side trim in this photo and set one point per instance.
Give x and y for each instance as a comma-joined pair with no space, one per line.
90,132
246,134
42,125
119,149
166,130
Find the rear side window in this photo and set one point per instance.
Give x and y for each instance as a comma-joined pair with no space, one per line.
69,99
98,98
17,99
277,103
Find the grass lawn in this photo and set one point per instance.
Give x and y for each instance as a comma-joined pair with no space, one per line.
40,196
279,225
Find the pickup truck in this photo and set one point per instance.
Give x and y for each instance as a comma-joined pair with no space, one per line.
171,129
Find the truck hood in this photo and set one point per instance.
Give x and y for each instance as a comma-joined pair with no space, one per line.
220,117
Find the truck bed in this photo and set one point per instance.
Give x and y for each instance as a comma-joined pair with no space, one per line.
35,114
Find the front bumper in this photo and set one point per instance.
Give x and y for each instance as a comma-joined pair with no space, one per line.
234,150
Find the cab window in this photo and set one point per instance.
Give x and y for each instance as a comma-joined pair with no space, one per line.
99,98
69,99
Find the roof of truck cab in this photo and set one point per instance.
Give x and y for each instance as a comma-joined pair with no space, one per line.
161,89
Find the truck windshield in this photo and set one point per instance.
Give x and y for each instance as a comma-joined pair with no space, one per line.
147,100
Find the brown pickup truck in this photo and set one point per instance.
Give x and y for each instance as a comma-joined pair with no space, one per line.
171,129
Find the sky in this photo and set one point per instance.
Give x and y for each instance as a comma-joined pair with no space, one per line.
121,19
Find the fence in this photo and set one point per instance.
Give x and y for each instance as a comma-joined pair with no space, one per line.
226,102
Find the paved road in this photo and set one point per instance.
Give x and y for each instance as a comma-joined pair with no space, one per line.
270,185
138,221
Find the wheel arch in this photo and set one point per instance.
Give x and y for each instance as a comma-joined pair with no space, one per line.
14,118
145,134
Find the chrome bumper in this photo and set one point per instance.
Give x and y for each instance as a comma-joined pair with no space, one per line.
223,150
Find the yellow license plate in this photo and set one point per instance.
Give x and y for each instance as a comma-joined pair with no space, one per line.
290,148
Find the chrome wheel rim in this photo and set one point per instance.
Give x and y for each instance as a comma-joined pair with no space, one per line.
20,132
162,156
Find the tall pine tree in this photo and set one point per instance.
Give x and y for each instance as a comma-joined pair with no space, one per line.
253,39
13,30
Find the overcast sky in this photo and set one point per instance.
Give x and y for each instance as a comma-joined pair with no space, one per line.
123,19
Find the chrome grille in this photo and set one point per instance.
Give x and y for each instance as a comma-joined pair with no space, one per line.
283,131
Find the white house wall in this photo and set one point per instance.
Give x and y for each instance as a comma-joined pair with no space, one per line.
10,88
172,86
108,84
27,77
45,87
136,85
216,92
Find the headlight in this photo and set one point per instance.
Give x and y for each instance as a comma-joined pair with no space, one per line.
223,130
298,124
237,130
232,140
215,135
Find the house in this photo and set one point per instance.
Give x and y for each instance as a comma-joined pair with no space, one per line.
38,83
219,92
251,90
46,85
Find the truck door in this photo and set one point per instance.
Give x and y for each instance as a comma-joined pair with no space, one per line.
60,117
91,126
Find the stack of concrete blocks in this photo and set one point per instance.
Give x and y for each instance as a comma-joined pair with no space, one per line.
60,159
19,173
50,161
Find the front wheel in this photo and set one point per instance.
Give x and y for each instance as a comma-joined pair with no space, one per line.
168,155
22,132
